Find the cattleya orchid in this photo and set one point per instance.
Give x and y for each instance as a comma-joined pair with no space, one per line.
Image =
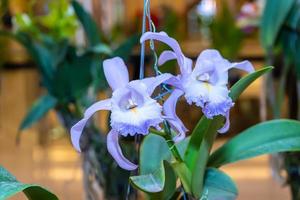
205,85
133,111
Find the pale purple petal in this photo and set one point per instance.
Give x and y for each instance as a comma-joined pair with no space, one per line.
186,67
163,37
211,62
226,126
244,65
152,82
100,105
77,129
166,56
208,54
114,149
116,72
175,81
185,63
169,109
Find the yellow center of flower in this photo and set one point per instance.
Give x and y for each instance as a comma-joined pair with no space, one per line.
207,86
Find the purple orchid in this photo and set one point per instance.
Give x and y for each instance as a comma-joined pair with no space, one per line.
133,111
205,85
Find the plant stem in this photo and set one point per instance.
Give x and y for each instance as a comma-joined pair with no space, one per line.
171,143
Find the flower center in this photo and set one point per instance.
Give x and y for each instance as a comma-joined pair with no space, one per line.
131,104
203,77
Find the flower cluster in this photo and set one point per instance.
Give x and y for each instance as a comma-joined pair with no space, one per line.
134,111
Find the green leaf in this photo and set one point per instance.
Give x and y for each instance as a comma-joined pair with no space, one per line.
100,49
73,77
159,185
9,186
38,110
89,25
184,173
150,183
274,15
125,49
153,152
264,138
238,88
169,185
199,165
196,138
40,55
218,185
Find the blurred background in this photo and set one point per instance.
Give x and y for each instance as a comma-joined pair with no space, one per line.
51,54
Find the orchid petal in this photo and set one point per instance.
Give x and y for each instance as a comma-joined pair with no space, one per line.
152,82
166,56
114,149
245,65
116,72
205,60
77,129
163,37
208,54
175,81
169,109
226,126
185,63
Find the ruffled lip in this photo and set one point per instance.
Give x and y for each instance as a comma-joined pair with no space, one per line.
126,129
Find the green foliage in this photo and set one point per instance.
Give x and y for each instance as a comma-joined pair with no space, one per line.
61,20
202,156
10,186
59,23
126,47
239,87
38,110
65,73
72,77
153,152
218,185
267,137
89,25
273,19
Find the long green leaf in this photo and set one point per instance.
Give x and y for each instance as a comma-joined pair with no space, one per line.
218,185
184,174
89,25
199,168
197,136
239,87
267,137
40,54
9,186
38,110
274,15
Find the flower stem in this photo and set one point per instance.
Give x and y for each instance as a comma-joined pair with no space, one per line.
171,143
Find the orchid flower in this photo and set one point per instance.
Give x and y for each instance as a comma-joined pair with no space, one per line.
133,111
205,85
